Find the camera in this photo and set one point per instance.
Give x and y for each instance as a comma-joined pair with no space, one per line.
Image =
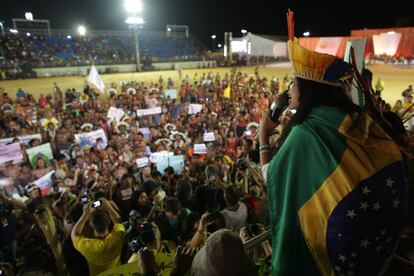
140,236
241,165
252,229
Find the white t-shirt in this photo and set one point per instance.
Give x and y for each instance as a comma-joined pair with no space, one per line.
235,219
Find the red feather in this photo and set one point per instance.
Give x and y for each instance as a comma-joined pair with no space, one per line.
291,24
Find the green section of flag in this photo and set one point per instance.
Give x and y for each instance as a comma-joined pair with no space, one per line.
308,157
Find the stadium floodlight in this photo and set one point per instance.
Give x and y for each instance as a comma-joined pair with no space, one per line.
28,16
169,29
219,45
82,30
213,36
306,34
68,37
134,20
28,34
14,31
243,31
133,6
391,33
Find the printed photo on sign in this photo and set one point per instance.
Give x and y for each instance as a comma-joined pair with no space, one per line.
43,152
175,161
208,137
90,138
155,155
115,113
200,149
11,152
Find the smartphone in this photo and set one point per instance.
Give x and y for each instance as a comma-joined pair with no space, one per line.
278,106
96,204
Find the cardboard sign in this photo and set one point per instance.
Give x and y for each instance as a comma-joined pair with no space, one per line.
155,155
11,152
208,137
45,182
200,149
126,194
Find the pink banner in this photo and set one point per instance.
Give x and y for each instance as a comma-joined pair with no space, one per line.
328,45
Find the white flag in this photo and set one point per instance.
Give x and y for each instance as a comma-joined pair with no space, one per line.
95,79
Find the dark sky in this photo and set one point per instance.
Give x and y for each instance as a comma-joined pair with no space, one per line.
205,17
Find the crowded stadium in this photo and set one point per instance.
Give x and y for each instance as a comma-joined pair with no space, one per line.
138,144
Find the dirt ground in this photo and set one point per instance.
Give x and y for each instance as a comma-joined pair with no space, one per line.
396,79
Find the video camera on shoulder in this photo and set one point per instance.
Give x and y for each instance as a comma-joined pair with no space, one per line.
142,235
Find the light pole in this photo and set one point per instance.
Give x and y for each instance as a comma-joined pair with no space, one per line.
244,32
133,8
81,30
306,34
213,38
2,28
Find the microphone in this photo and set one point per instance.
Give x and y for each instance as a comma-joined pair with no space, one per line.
279,106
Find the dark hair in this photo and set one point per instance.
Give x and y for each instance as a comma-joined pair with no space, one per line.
183,190
100,221
233,195
314,94
173,205
74,213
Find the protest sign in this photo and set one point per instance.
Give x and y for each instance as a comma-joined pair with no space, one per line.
172,93
145,131
148,111
194,108
208,137
142,162
11,152
45,182
175,161
200,149
89,138
44,151
155,155
24,140
115,113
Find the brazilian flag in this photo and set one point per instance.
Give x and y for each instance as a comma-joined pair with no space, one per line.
337,196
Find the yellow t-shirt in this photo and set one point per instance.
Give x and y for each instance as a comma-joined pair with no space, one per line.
102,254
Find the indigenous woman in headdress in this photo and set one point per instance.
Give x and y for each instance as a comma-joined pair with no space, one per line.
336,185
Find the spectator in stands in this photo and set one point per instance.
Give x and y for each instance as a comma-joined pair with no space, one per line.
104,250
235,214
210,195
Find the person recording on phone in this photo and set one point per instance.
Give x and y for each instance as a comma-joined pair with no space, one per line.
103,251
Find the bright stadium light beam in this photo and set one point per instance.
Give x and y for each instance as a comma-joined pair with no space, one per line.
28,34
68,37
134,20
28,16
133,6
14,31
306,34
82,30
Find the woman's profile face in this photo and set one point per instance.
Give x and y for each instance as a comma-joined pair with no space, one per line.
294,95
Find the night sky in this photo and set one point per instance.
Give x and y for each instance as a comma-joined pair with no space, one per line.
206,17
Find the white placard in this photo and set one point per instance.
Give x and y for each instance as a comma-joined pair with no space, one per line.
126,194
45,182
11,152
145,131
115,113
142,162
200,149
172,93
148,111
208,137
176,162
194,108
24,140
89,138
155,155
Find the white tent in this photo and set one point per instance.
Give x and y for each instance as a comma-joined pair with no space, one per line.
260,46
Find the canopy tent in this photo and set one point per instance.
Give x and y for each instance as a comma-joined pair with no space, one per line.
260,46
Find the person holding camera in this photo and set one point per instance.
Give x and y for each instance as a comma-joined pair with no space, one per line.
103,251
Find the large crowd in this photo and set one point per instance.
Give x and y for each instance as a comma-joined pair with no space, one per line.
110,202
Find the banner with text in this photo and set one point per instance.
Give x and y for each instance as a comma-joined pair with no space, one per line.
148,111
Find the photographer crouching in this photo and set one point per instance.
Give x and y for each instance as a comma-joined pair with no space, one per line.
104,250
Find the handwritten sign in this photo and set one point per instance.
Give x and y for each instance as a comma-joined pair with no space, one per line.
208,137
200,149
194,108
11,152
142,162
148,111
